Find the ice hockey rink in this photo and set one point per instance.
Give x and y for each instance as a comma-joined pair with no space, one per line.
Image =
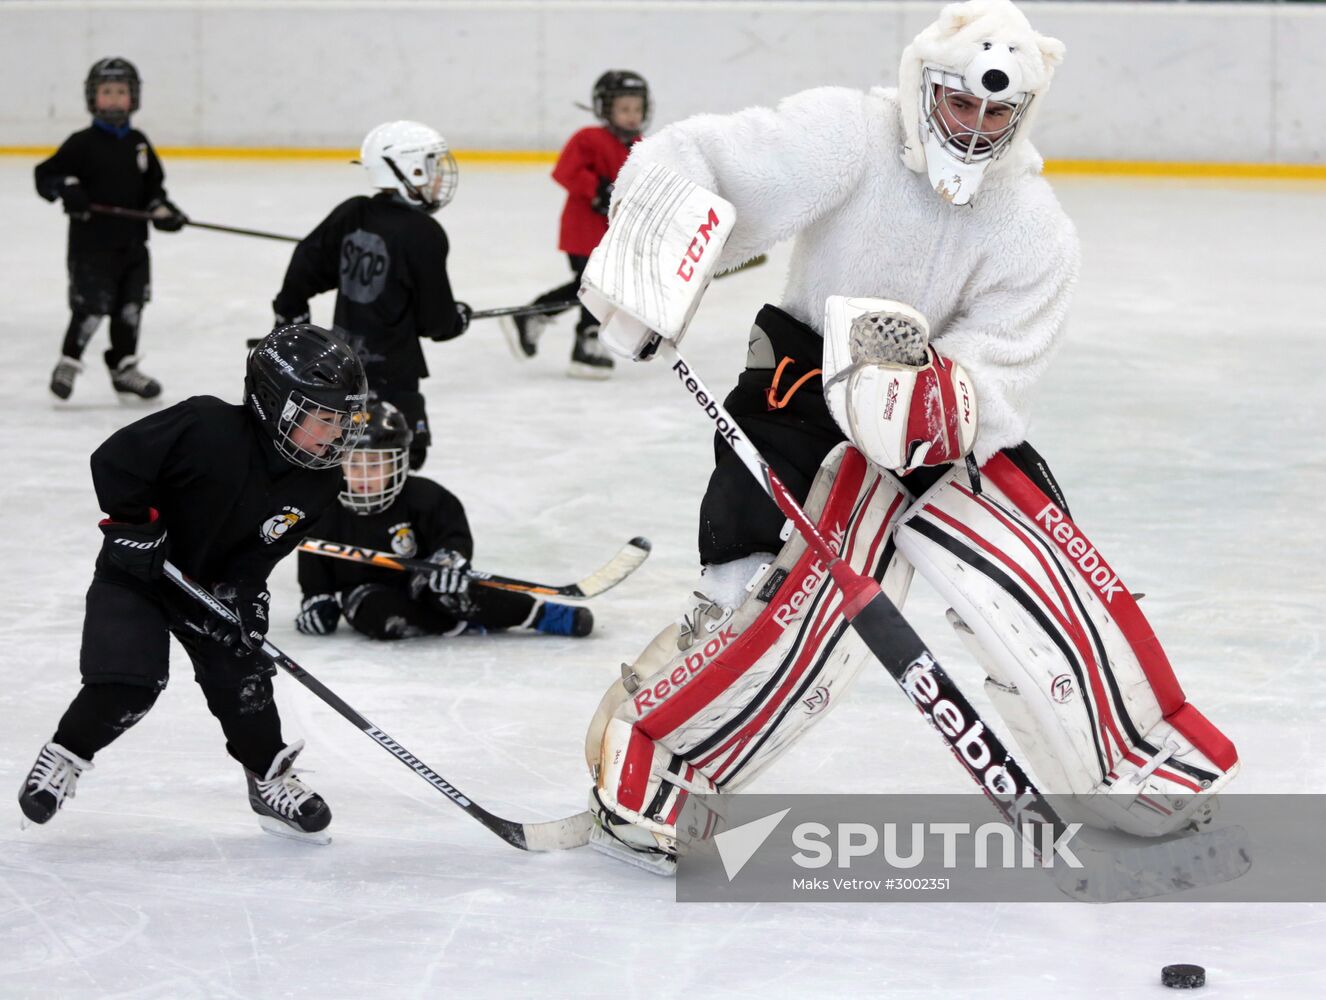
1183,418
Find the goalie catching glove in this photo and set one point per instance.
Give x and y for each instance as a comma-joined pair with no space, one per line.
901,402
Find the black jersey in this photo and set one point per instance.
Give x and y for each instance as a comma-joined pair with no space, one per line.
424,518
388,263
232,506
121,170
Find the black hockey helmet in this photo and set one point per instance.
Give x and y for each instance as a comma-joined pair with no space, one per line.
112,69
619,83
379,464
307,388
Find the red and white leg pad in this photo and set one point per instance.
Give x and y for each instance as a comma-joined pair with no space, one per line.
1073,666
713,716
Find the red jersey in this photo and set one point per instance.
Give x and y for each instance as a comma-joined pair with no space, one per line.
592,153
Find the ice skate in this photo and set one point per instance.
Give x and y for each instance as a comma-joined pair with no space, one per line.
51,781
589,358
626,841
126,378
523,333
286,807
62,379
562,619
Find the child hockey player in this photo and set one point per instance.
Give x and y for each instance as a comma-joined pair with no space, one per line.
587,168
387,261
384,507
108,163
928,194
225,492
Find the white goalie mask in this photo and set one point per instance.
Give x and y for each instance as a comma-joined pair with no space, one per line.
413,160
969,85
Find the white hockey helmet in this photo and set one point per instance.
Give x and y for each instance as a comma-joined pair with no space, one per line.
968,86
412,159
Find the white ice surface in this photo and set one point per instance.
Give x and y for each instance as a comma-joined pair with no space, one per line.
1183,418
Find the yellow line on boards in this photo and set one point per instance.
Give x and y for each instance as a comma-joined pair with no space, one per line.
1145,168
1135,168
292,153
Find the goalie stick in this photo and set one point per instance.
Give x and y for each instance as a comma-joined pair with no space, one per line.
1156,868
554,835
607,576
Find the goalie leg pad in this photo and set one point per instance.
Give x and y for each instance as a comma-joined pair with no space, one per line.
1073,665
714,716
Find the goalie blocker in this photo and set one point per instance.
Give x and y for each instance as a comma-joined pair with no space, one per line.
1072,665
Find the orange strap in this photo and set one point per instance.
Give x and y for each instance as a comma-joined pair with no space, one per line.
771,393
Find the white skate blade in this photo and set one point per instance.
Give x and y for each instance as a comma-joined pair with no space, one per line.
655,864
578,369
507,324
277,828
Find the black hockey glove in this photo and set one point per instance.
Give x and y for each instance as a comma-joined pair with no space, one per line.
318,615
77,205
602,197
451,577
279,321
166,216
463,314
249,603
138,549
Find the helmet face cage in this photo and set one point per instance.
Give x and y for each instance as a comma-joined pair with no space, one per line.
374,478
440,170
968,145
112,70
314,436
427,178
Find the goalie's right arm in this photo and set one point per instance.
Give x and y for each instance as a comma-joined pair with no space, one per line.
780,168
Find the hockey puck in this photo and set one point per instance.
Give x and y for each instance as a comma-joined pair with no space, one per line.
1183,977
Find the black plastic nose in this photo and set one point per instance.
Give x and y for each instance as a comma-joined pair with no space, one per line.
994,80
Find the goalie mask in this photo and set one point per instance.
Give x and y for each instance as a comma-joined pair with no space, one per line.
377,468
414,161
968,86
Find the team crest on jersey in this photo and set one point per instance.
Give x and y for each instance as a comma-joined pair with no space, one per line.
142,157
403,542
274,528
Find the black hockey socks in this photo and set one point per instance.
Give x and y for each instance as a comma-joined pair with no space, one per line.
100,713
249,718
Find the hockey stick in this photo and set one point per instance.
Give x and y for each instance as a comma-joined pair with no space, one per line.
526,310
1190,861
607,576
545,308
130,213
554,835
530,309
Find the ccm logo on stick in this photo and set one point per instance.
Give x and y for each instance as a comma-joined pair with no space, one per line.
686,269
1076,547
